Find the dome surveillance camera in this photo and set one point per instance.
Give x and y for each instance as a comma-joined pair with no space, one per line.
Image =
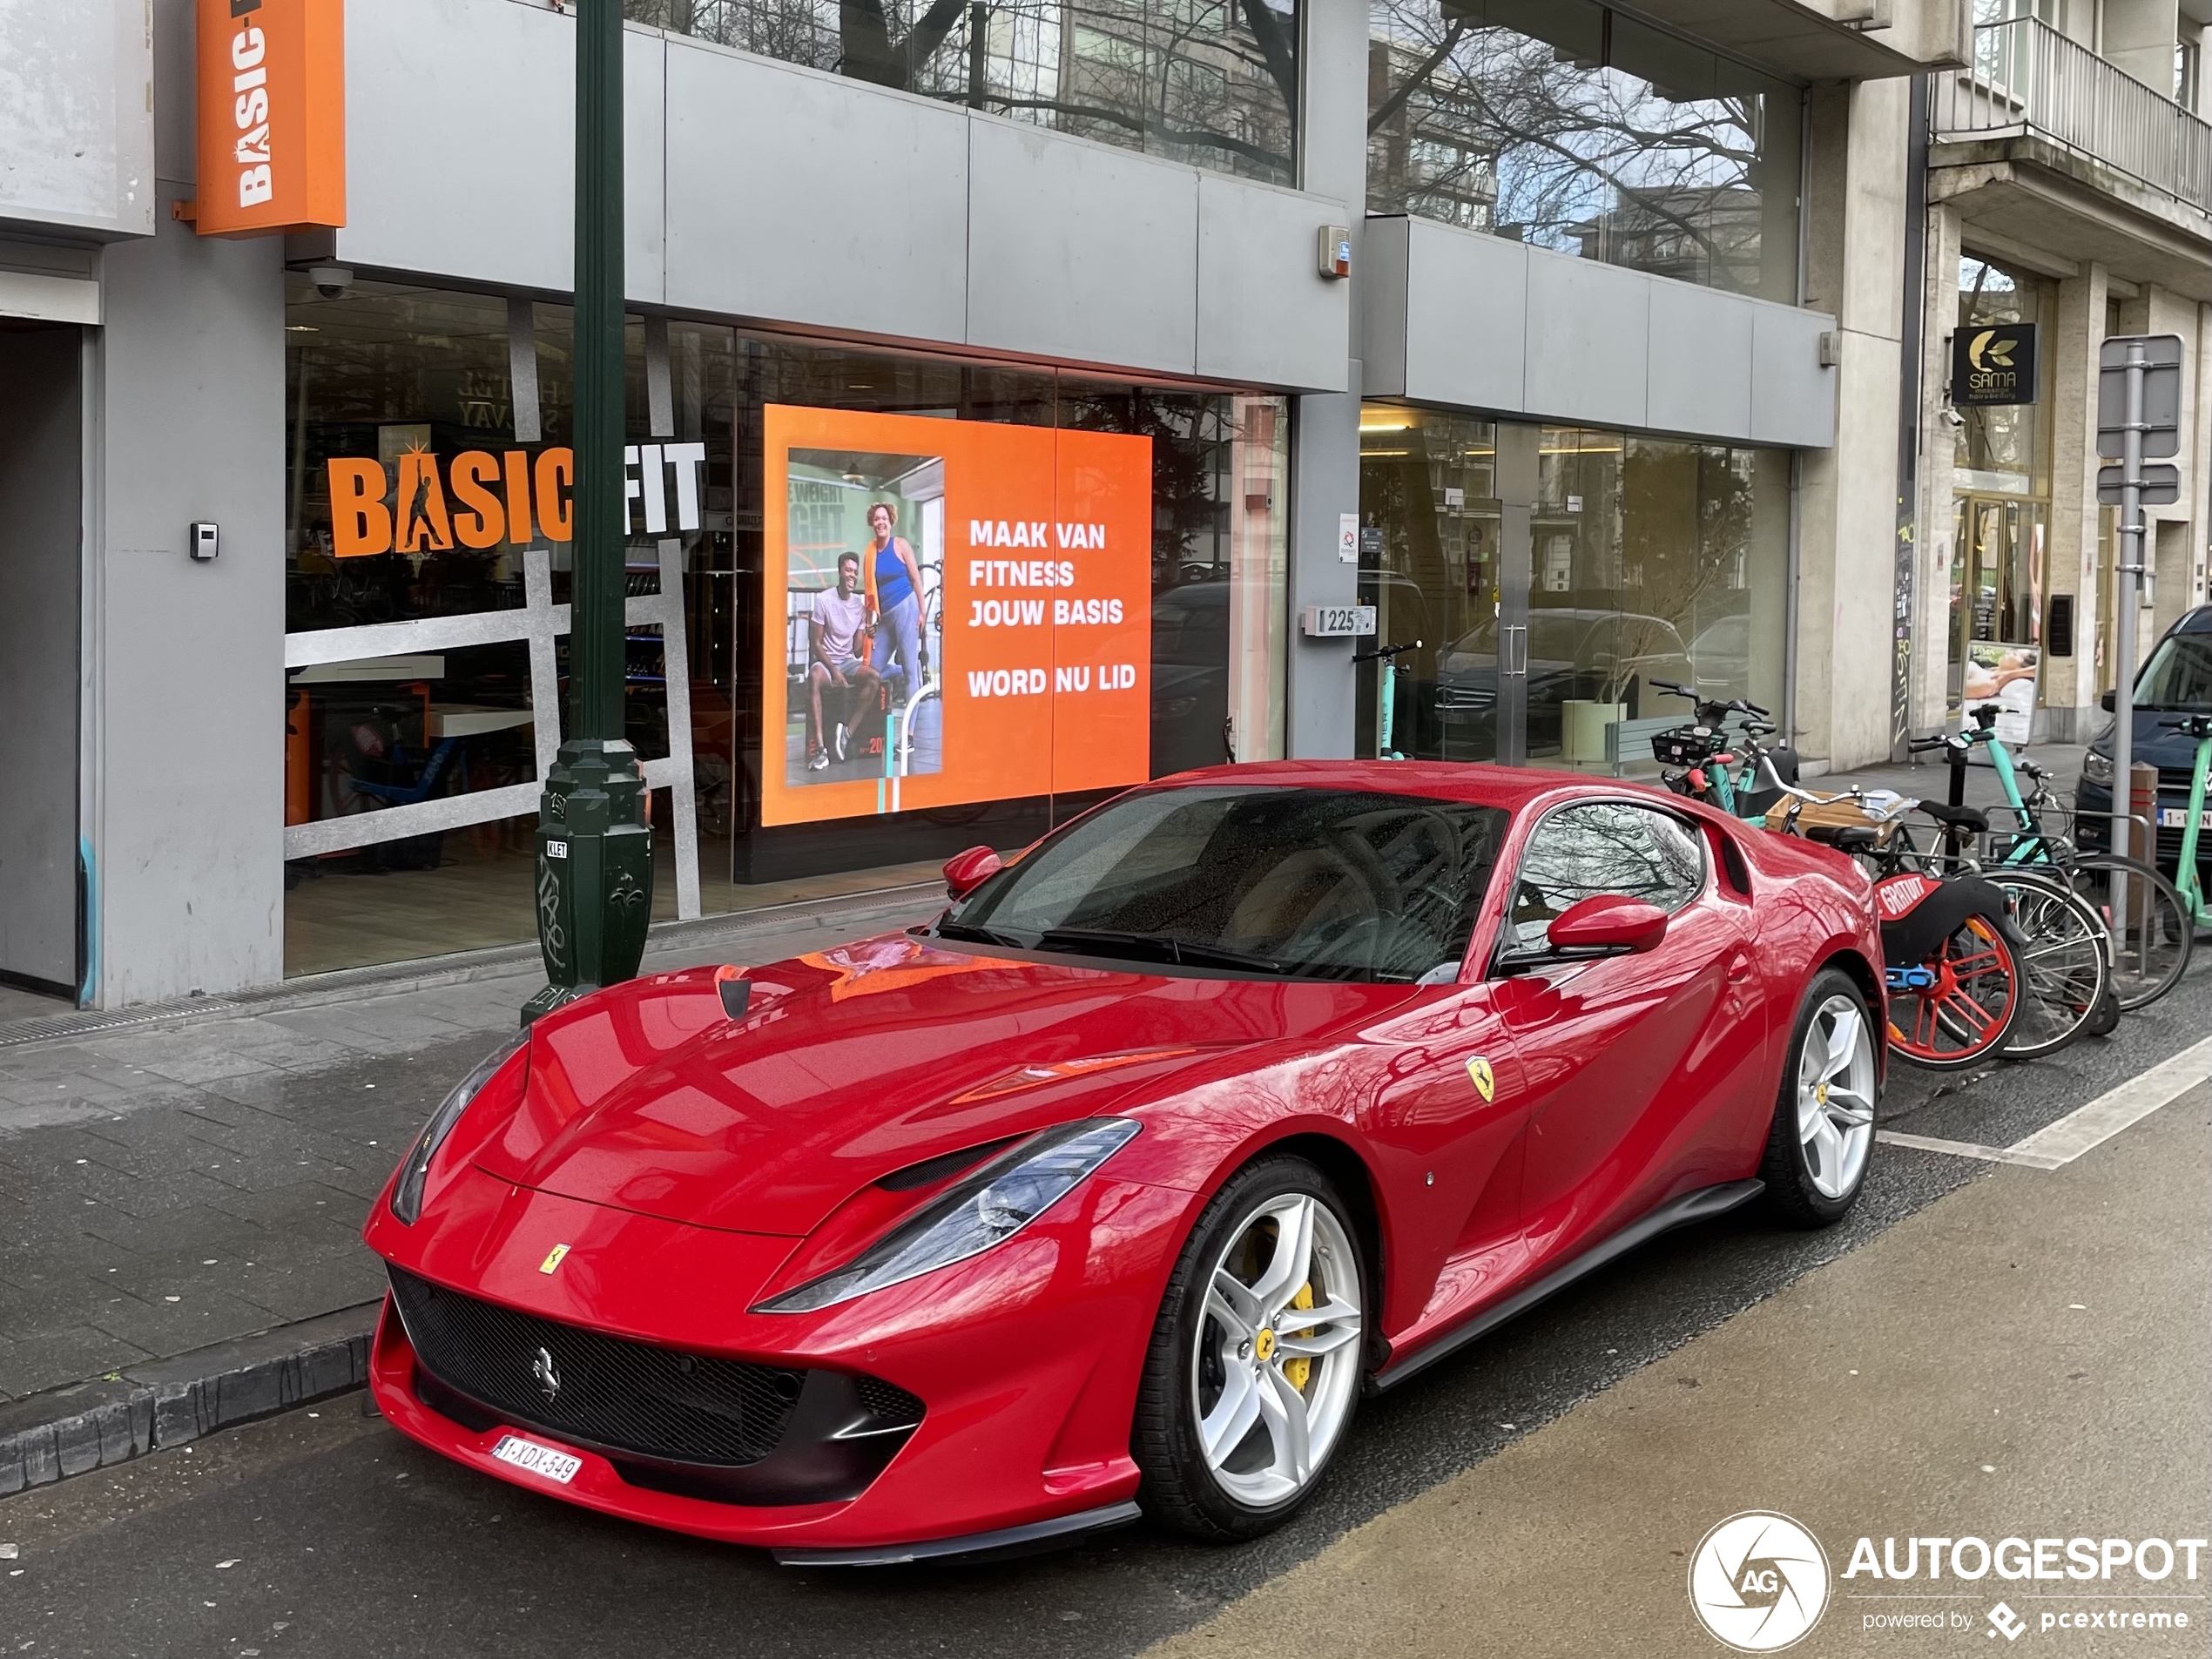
331,280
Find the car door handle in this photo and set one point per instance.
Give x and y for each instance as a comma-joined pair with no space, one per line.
1739,969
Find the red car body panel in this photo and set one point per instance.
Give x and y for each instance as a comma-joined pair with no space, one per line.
695,1164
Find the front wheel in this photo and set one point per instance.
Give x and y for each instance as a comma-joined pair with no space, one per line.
1823,1120
1962,1002
1257,1357
2068,962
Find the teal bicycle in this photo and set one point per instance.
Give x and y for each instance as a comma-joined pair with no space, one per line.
2144,914
1742,776
2188,883
1386,694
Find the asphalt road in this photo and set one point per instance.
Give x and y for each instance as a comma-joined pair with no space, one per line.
326,1534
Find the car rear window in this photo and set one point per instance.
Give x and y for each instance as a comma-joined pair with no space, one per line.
1326,883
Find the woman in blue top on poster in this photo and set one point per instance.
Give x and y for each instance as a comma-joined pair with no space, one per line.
894,597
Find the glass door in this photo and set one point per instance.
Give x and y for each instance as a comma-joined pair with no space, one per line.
1429,539
1997,582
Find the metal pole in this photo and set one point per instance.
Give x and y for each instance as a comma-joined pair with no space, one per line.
2126,574
595,869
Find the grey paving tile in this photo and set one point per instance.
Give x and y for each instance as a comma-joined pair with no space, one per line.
192,1321
67,1354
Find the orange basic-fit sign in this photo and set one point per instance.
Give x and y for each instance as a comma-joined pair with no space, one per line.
272,116
1035,550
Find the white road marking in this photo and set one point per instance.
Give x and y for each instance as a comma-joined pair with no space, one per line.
2088,1127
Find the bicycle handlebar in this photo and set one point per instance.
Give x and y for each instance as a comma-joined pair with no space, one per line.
1383,652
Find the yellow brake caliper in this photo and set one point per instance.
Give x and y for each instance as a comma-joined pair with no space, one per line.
1297,1369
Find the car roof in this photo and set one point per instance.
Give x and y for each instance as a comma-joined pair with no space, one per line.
1511,787
2198,621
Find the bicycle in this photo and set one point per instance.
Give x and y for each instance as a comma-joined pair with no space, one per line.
2066,949
1953,960
1702,751
1386,696
2188,884
2142,913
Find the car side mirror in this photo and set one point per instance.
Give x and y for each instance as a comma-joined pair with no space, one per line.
2109,703
1607,922
965,872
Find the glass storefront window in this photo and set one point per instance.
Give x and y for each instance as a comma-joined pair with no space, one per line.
428,558
1204,82
1571,127
1647,559
2001,475
1999,449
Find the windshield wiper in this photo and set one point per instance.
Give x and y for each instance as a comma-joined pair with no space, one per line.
968,930
1183,953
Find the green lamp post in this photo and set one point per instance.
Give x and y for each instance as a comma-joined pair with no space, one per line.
594,853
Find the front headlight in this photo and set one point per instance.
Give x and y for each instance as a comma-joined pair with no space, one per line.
406,1194
2096,768
987,1208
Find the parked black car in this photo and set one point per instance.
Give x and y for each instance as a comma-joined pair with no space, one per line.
2176,680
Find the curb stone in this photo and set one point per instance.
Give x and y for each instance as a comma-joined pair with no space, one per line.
166,1403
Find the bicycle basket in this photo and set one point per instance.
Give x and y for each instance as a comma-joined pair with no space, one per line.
1685,746
1843,813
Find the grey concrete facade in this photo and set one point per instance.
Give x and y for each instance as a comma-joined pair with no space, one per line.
1024,246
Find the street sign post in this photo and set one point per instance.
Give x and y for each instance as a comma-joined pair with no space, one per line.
2139,416
595,852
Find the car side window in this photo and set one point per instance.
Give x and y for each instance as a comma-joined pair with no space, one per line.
1602,846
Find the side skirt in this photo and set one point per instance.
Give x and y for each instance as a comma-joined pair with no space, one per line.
1701,1205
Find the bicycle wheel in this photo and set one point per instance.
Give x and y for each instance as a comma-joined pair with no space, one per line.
2151,950
1964,1015
2067,962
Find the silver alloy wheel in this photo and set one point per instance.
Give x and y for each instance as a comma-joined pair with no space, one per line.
1836,1095
1271,1381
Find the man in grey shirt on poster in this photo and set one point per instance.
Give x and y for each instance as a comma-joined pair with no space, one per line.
840,667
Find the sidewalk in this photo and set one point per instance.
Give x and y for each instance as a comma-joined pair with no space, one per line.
2025,1358
187,1178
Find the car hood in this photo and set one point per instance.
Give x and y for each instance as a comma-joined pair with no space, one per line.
850,1065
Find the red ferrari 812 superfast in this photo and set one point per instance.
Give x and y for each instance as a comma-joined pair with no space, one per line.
1114,1188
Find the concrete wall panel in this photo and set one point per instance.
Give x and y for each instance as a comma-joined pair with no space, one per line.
1793,398
1589,335
502,208
1263,304
1699,374
77,116
813,198
189,667
1466,306
1081,253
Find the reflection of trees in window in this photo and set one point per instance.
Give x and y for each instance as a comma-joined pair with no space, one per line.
1212,83
1560,124
1581,851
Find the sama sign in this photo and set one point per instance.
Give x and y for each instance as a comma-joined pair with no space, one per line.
1993,365
271,111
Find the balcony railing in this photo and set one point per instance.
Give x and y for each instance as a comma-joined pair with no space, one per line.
2027,78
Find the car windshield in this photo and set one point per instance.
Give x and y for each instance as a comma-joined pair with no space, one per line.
2178,676
1260,879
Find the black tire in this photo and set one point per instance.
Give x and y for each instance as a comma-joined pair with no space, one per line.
1793,1194
2144,967
1179,1489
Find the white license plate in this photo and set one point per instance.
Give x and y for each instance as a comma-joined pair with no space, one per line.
2178,818
538,1459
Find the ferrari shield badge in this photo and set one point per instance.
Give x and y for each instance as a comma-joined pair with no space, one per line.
1485,1080
553,1256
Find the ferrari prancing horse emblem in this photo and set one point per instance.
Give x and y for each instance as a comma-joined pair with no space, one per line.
1485,1081
553,1256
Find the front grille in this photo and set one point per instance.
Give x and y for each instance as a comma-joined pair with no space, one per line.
603,1390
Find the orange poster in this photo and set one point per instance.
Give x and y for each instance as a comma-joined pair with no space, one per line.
272,113
957,611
